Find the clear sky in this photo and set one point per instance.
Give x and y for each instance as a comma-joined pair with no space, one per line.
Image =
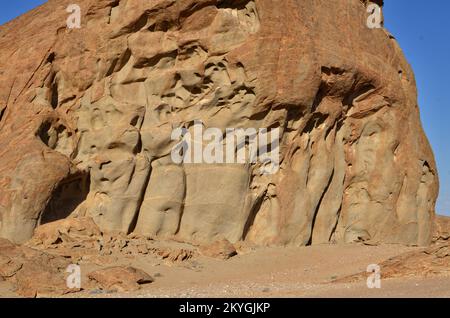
422,29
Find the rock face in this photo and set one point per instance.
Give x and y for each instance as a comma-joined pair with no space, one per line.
86,117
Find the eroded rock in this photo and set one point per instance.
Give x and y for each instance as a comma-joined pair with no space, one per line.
80,239
88,116
221,249
33,273
67,232
120,278
431,262
441,232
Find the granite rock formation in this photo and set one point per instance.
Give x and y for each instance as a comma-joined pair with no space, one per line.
86,117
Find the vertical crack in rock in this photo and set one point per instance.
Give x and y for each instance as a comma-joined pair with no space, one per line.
253,213
54,95
319,204
2,112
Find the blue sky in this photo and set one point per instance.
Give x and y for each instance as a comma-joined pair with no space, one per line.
9,9
422,29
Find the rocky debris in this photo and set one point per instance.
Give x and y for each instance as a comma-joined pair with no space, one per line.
174,255
86,120
221,249
81,240
74,238
68,232
100,260
430,262
138,245
119,278
441,232
33,273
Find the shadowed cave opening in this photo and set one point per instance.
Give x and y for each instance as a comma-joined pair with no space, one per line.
54,99
235,4
69,194
2,112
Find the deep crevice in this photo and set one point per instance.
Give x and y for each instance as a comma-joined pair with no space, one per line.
153,61
50,134
315,121
333,230
252,215
43,132
357,92
118,63
139,24
54,100
2,112
68,195
318,208
51,58
233,4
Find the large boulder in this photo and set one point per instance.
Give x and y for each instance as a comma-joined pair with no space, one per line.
120,278
86,117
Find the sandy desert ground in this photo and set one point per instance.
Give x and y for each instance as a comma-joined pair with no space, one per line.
138,266
272,272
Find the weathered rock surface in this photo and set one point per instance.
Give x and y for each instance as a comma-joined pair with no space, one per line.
79,239
68,231
222,249
441,232
120,278
33,273
86,117
431,262
36,273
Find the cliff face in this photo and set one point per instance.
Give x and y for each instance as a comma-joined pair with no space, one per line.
86,117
